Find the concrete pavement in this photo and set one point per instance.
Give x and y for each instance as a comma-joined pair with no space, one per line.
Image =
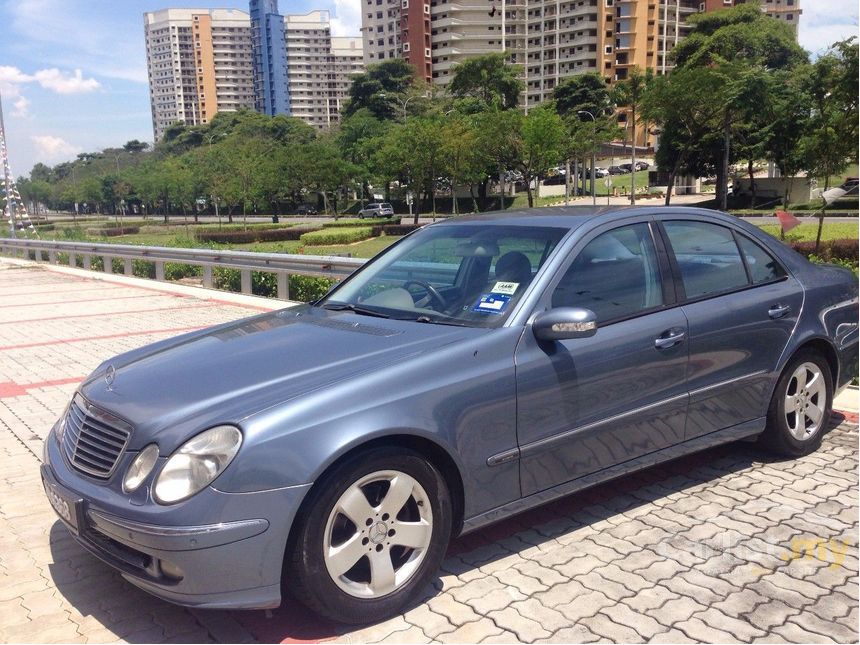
728,545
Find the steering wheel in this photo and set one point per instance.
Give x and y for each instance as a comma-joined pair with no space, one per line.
432,291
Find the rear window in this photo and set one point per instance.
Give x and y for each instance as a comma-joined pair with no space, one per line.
762,266
707,256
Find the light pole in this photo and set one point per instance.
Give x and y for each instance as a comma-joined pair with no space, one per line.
209,139
593,191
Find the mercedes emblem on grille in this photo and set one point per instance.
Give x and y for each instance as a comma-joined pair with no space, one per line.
110,375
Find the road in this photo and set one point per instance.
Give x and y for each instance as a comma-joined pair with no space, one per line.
729,545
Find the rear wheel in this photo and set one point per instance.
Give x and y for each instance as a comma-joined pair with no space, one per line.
378,528
801,405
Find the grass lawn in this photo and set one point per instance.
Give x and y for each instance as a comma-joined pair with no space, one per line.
365,249
806,232
836,180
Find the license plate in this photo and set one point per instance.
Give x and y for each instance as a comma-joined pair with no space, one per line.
64,508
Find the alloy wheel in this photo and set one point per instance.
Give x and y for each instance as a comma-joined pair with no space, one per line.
377,534
805,401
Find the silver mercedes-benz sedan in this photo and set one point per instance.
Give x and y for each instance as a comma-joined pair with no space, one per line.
477,368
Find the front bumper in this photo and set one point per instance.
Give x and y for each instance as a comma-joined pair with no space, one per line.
232,562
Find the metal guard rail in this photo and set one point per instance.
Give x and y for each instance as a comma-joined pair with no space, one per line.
281,264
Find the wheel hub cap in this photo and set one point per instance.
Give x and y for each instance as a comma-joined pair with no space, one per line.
378,532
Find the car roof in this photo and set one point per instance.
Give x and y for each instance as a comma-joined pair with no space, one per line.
571,217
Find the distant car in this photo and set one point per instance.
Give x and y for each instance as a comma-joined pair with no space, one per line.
306,209
376,209
642,165
617,170
555,180
626,167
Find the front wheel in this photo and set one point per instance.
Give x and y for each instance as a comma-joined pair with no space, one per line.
801,405
377,529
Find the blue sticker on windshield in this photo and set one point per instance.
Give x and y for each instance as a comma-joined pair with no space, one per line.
491,303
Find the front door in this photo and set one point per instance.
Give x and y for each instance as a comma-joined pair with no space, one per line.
587,404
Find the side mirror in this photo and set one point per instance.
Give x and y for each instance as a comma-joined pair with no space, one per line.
565,323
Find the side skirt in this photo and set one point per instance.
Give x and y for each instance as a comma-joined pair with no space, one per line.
734,433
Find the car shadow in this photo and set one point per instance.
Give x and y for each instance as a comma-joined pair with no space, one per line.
96,590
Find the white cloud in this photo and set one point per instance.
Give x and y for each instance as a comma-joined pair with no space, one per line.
21,107
79,33
53,149
824,23
53,79
347,18
12,80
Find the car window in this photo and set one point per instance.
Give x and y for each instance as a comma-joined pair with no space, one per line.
615,275
707,256
462,274
762,266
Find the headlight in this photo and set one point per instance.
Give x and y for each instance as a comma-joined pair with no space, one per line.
197,463
140,468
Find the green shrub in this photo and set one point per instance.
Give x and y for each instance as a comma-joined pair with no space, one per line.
112,231
329,236
307,288
830,250
252,235
354,221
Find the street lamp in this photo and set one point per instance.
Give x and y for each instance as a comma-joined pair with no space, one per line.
593,192
210,139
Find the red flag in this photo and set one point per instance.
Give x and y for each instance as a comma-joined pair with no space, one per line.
787,220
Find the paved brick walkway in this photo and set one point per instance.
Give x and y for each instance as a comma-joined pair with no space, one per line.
728,545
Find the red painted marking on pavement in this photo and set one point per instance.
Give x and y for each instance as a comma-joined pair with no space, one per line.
10,389
105,337
77,302
850,417
111,313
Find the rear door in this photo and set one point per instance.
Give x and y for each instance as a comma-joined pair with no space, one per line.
587,404
742,307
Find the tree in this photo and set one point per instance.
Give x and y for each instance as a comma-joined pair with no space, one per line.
741,44
830,141
682,105
498,139
489,78
630,93
465,162
134,146
410,154
586,92
540,145
374,89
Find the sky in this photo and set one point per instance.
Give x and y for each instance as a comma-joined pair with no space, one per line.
73,72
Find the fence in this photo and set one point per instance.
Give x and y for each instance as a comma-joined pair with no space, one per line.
280,264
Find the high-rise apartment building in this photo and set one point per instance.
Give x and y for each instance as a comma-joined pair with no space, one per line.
550,39
269,48
788,11
199,63
320,67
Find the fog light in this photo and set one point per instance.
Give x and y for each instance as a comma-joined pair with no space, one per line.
140,468
170,570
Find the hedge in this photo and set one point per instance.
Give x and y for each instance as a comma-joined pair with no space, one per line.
303,288
830,250
354,221
344,235
113,231
400,229
245,237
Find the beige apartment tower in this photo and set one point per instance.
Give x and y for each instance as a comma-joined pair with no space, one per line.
200,62
320,67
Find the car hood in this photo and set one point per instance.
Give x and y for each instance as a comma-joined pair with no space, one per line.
227,373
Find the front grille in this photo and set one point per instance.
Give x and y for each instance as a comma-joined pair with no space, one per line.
94,440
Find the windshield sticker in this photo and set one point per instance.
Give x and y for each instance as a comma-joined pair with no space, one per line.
508,288
491,303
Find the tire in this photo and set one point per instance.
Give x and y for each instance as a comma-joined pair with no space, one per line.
798,431
338,563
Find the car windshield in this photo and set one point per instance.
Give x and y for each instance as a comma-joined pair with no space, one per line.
462,274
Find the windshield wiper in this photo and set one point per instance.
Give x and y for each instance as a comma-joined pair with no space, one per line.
356,309
437,321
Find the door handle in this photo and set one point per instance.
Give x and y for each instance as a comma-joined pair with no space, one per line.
778,311
669,338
